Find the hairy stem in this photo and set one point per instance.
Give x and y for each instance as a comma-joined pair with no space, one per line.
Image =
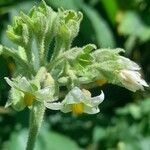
36,117
57,48
28,52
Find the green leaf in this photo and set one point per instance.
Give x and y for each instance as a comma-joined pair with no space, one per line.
145,143
98,134
17,141
67,4
101,29
1,49
89,47
55,141
105,61
145,106
85,58
102,55
47,140
111,8
132,25
137,111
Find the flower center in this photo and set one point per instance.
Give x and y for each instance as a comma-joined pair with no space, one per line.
101,82
78,108
28,99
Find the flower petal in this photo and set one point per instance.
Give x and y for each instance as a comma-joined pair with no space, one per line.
44,94
132,80
24,85
53,106
9,82
128,63
66,108
91,110
74,96
20,84
98,99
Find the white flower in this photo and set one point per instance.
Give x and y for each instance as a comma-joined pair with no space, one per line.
132,80
31,90
78,101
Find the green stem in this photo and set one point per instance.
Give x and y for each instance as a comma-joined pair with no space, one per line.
41,51
28,53
57,48
36,118
54,62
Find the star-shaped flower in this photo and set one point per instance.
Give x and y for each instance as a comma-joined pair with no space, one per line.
26,91
78,101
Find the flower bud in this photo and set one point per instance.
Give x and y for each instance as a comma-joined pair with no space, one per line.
132,80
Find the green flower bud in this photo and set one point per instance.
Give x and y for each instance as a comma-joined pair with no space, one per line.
68,23
19,32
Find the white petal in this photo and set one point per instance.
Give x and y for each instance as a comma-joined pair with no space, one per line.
53,106
143,82
43,94
132,80
20,84
74,96
129,64
9,82
66,108
98,99
24,85
91,110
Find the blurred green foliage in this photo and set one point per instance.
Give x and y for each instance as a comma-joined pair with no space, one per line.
46,140
124,121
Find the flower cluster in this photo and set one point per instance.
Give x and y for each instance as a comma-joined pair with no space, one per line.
24,93
50,73
46,62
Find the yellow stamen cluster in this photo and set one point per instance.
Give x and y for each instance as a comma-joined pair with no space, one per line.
78,108
101,82
28,99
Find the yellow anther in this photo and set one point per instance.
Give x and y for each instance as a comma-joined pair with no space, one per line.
11,67
28,99
101,82
78,108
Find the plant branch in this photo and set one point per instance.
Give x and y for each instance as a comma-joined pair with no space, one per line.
36,118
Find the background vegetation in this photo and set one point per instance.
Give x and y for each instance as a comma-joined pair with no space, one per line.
124,121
